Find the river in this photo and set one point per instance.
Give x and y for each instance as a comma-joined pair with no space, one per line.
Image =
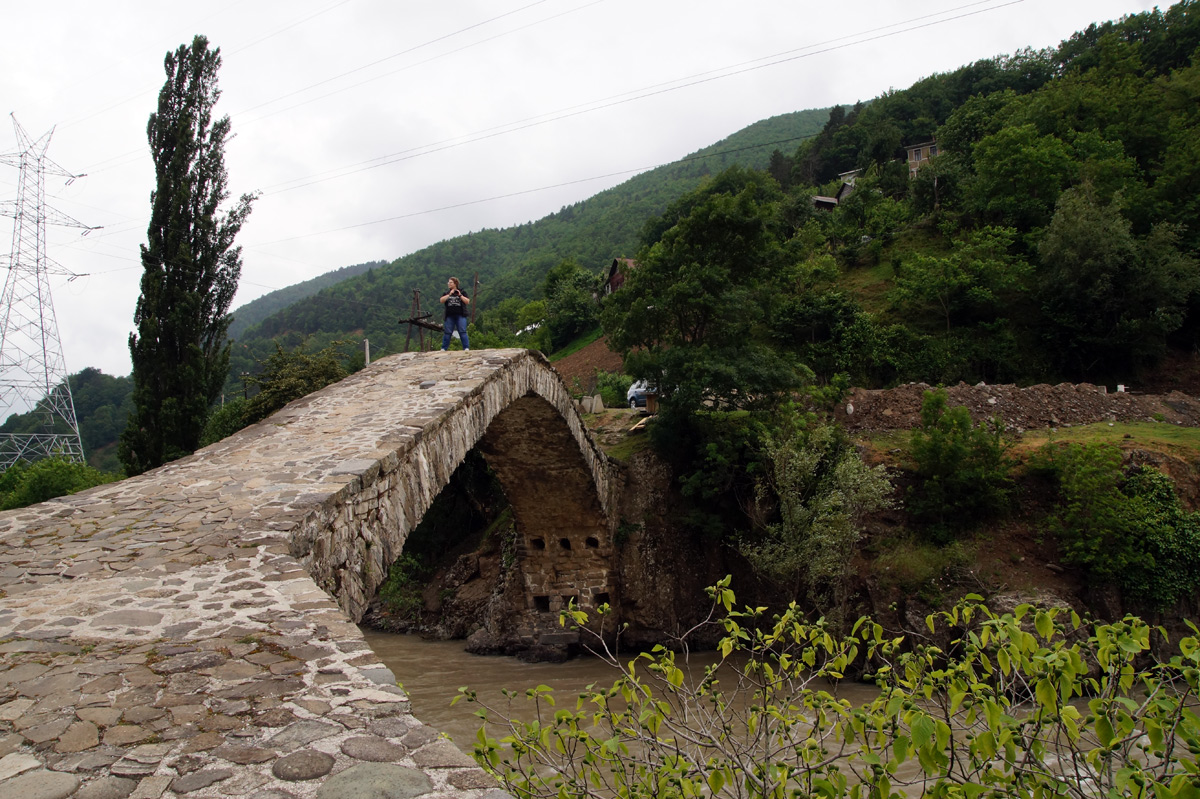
433,671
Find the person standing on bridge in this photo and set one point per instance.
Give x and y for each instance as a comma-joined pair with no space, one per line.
455,303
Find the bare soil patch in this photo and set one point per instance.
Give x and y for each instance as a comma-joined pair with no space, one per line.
579,369
1020,409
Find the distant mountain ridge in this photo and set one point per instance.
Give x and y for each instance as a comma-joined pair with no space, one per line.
253,312
510,262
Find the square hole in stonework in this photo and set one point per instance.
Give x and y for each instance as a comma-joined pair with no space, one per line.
541,604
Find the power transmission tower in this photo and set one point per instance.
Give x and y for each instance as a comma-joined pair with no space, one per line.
33,373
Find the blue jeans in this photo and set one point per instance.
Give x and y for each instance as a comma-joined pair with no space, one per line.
451,324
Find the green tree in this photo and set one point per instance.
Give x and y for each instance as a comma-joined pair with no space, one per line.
497,326
823,489
694,316
1112,299
963,468
190,267
224,421
780,167
1019,175
979,116
969,283
288,376
571,307
24,484
1177,186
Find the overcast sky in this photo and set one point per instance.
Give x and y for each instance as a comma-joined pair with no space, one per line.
374,128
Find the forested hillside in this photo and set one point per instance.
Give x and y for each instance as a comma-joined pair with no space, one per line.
102,405
1052,235
256,310
513,262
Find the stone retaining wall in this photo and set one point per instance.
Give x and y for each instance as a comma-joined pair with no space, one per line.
190,631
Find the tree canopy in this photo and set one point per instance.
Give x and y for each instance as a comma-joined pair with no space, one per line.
190,266
693,317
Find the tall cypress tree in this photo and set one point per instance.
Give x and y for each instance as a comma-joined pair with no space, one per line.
190,267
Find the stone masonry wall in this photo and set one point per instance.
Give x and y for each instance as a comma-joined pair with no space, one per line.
190,631
349,541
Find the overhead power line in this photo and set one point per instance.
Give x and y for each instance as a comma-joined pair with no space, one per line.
465,203
412,49
523,192
828,46
124,158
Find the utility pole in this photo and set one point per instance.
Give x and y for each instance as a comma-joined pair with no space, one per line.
420,319
33,372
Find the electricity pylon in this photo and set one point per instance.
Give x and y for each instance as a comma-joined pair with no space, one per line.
33,373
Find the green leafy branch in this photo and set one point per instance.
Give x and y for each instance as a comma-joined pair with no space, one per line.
1023,704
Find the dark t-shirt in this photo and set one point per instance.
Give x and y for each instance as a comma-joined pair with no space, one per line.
455,306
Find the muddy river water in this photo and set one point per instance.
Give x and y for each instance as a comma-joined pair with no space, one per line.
432,672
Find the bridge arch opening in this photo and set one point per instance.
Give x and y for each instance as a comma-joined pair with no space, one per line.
511,574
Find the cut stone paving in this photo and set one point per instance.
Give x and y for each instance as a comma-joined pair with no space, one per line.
191,631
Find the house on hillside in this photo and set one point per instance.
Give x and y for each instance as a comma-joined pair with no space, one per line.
847,187
918,154
616,276
822,203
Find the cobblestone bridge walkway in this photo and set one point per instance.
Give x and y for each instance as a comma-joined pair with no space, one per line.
190,632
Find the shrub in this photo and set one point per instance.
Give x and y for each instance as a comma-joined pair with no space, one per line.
963,468
401,591
611,387
288,376
1093,521
823,489
1170,538
25,484
1000,713
224,421
1127,531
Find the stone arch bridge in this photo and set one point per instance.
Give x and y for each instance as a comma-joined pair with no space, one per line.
191,631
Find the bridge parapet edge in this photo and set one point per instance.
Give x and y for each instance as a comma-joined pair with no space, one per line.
163,636
348,540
